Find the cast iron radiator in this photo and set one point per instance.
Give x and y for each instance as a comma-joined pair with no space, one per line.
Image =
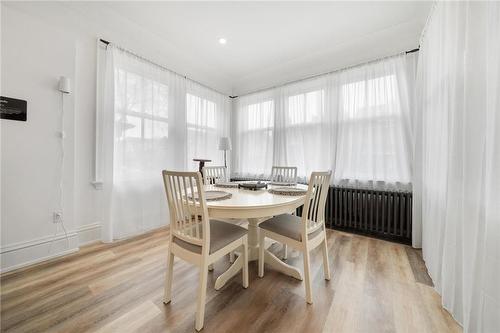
379,213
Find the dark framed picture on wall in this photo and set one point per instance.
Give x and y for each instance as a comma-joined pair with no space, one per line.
13,109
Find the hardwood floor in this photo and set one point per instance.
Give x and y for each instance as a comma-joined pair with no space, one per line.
376,286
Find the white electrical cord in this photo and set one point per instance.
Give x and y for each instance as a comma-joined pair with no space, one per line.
61,180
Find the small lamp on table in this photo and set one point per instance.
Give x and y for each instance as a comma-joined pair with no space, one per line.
225,145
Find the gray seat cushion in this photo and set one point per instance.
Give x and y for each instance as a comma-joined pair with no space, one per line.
287,225
221,234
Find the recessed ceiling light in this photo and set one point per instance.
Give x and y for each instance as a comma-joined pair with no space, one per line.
222,41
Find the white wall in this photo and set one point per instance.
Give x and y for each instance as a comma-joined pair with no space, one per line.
39,43
33,57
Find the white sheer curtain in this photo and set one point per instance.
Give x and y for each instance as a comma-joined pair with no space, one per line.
304,127
355,122
207,121
457,163
373,122
253,133
150,119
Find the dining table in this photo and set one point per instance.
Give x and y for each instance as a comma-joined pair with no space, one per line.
255,206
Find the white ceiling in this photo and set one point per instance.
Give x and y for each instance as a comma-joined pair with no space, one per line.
269,43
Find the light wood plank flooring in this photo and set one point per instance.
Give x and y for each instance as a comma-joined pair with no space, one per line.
376,286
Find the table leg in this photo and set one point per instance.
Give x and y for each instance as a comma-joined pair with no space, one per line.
253,255
234,269
253,239
273,261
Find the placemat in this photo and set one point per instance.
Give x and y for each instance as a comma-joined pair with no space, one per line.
288,191
214,195
226,185
282,184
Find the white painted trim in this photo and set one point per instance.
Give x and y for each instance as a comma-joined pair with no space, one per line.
35,242
38,260
21,254
89,233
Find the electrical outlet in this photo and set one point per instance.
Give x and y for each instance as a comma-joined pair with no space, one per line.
57,217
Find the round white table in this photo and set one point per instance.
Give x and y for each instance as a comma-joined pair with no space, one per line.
256,207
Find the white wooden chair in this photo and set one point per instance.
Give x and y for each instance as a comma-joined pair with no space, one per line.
196,239
282,174
215,174
302,233
286,175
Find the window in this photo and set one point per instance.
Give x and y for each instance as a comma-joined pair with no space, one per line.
255,129
141,108
141,124
306,132
305,108
372,125
354,122
202,134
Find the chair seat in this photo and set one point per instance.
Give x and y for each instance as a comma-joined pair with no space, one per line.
221,234
287,225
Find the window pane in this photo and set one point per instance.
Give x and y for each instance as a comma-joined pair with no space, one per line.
200,111
203,117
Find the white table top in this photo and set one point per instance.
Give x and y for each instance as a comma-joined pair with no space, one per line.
248,199
248,204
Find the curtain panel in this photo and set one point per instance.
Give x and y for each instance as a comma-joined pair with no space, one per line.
457,159
149,119
356,122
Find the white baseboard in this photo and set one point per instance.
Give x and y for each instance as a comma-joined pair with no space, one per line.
89,234
22,254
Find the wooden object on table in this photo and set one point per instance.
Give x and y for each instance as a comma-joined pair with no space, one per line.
302,233
196,239
201,164
253,186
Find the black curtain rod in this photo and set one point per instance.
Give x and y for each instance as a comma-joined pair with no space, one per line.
414,50
407,52
318,75
163,67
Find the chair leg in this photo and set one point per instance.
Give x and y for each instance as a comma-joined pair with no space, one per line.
167,297
231,257
202,294
326,264
261,253
307,276
245,263
285,252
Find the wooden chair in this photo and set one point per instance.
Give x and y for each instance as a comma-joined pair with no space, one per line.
283,174
196,239
302,233
214,174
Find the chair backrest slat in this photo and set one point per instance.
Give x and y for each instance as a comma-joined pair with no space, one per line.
189,219
215,174
313,216
283,174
